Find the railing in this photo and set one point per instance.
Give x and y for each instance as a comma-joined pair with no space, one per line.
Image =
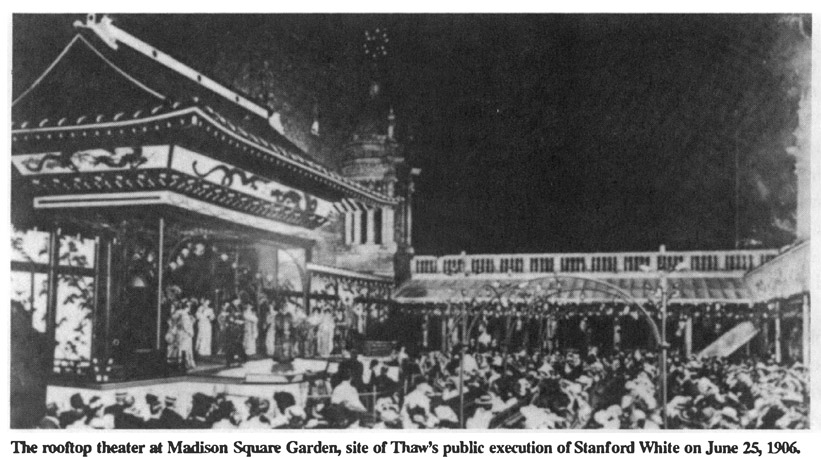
694,261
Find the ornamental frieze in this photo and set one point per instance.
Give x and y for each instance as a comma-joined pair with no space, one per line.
219,173
93,160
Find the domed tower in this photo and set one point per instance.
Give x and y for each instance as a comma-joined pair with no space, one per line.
378,238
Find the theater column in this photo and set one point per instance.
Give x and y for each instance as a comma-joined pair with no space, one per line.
348,236
387,226
688,337
51,292
371,224
357,228
160,286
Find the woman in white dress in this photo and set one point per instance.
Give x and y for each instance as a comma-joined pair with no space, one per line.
325,335
270,330
251,332
205,316
185,336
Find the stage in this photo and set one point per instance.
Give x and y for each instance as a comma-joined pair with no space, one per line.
257,377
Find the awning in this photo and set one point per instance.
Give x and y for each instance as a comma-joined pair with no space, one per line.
690,289
731,341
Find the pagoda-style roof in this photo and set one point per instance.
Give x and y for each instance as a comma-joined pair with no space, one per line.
93,94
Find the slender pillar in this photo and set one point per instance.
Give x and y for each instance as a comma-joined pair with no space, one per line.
370,233
387,226
98,278
348,228
549,333
51,291
664,346
764,324
805,329
425,327
160,286
106,332
778,332
688,337
357,228
462,365
306,282
443,326
408,216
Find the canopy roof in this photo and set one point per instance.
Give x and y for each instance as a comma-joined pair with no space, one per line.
689,289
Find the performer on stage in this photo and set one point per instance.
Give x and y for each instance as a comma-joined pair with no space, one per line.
284,349
222,327
205,318
300,327
171,350
234,325
325,338
270,330
314,321
251,331
185,336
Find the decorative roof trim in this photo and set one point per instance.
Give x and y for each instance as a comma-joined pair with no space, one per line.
305,165
108,62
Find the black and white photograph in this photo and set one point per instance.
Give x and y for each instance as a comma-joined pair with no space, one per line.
410,221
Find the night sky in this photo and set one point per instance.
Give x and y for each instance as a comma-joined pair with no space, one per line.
534,133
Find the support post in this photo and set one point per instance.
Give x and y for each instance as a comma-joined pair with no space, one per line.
549,333
462,366
664,345
425,328
348,228
805,329
160,286
444,326
357,228
108,292
96,303
51,292
387,226
778,332
688,337
370,231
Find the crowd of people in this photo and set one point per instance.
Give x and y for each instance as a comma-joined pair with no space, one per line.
242,328
533,390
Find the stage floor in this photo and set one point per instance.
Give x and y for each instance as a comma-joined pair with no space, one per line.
257,377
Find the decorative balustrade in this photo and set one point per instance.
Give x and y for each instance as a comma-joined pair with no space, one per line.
597,263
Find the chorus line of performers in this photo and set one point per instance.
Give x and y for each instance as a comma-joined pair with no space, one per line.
236,330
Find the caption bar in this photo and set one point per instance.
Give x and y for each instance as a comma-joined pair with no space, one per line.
430,448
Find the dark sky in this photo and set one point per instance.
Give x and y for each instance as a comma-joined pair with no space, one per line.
537,133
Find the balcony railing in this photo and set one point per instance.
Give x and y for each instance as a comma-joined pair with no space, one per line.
604,263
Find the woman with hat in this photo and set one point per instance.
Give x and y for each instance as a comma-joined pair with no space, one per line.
257,408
